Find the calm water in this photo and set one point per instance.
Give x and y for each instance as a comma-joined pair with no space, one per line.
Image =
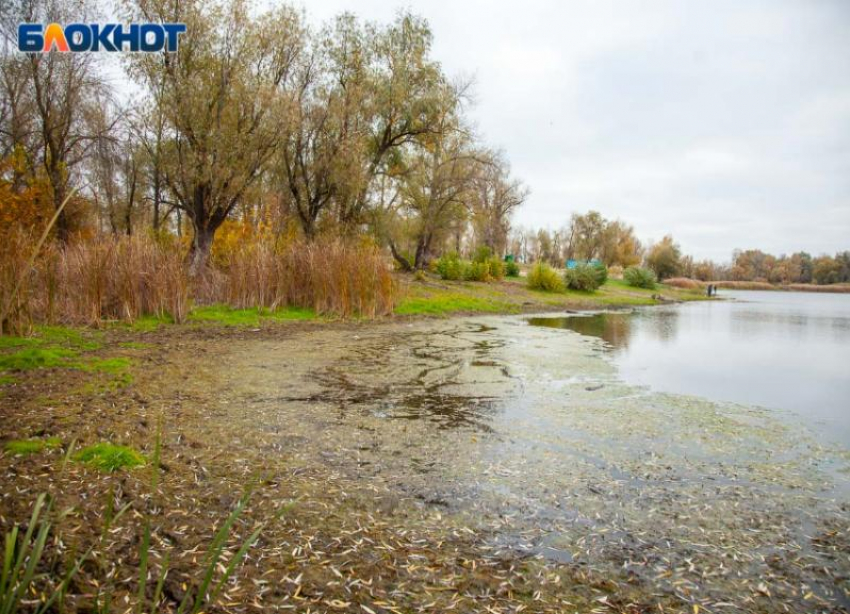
783,350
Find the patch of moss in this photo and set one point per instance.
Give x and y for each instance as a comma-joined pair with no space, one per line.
22,447
110,457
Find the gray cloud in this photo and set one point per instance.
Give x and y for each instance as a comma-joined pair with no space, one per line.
724,122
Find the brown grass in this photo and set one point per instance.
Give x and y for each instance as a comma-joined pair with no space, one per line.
92,281
763,285
124,278
683,282
330,277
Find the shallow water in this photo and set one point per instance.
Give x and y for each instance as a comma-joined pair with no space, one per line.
783,350
532,437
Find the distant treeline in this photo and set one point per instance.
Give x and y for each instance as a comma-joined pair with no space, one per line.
591,236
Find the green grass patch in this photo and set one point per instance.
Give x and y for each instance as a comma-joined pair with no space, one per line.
146,324
17,342
619,284
228,316
6,380
54,336
68,337
112,366
290,313
22,447
222,314
36,358
110,457
452,303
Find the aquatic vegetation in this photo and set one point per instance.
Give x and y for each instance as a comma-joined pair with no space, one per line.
110,457
22,447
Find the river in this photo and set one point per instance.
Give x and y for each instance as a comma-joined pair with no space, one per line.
789,351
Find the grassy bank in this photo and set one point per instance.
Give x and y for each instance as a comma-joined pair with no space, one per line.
432,296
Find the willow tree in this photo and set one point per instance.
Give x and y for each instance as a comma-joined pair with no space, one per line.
322,128
219,97
495,197
404,102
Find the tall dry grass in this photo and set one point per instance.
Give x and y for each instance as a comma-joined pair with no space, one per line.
331,277
124,278
91,281
683,282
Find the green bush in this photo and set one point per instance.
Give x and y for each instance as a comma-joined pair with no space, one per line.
639,277
482,254
586,277
476,271
511,269
497,268
450,267
543,277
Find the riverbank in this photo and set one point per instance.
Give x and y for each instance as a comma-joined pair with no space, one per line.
410,465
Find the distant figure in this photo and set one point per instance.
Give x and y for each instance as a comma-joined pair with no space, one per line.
711,290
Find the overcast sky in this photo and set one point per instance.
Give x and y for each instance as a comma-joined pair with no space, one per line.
726,123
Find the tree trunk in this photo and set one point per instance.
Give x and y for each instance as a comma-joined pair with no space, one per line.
423,252
199,253
402,261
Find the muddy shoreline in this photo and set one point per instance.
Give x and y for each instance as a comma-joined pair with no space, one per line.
432,465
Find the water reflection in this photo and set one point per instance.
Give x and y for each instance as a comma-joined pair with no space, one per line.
613,328
782,350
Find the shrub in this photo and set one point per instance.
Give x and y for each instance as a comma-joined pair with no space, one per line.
482,254
586,277
543,277
639,277
511,269
450,267
497,268
476,271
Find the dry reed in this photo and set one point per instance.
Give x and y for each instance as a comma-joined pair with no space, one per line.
124,278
